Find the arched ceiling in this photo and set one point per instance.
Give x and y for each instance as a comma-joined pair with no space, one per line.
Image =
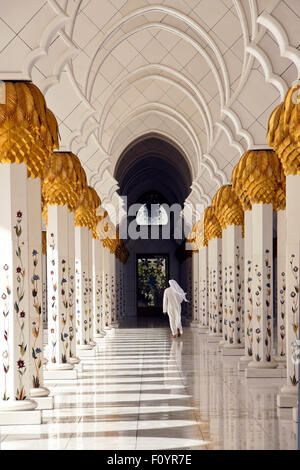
152,164
203,74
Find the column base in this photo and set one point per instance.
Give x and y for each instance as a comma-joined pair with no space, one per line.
115,324
39,392
233,350
280,360
86,352
243,363
44,403
100,343
256,373
59,366
202,329
54,374
285,414
211,338
99,336
92,343
111,332
84,347
295,414
288,397
17,405
74,360
263,365
18,417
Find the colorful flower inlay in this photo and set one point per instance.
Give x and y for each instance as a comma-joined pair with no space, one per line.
294,294
36,324
6,298
18,309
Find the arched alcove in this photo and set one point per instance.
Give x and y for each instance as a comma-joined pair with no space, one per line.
154,171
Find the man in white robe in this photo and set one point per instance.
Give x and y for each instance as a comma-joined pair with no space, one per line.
173,297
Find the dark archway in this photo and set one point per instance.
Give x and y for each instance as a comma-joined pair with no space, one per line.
148,167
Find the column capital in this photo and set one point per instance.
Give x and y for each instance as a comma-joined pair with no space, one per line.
64,180
227,207
258,178
283,131
29,131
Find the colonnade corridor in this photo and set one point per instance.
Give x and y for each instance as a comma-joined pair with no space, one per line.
144,390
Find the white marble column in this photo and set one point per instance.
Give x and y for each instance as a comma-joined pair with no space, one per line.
118,289
82,290
58,294
90,289
224,289
71,288
44,280
248,292
215,269
15,291
123,292
106,290
235,285
195,291
289,393
281,287
262,274
97,290
35,294
112,269
203,286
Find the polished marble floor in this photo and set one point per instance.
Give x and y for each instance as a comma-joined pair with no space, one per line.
146,391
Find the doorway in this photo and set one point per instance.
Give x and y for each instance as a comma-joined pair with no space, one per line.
152,279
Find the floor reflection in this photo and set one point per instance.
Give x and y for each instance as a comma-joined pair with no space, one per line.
147,391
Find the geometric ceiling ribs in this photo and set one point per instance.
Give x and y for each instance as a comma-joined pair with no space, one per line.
163,73
219,71
280,35
270,76
187,21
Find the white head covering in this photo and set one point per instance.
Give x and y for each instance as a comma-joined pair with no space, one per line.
177,289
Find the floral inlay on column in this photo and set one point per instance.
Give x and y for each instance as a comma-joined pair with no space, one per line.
102,309
90,310
77,282
107,301
98,303
249,313
268,301
220,303
215,312
210,305
196,299
37,323
225,304
113,308
295,312
6,294
64,336
238,294
72,326
19,312
86,308
258,301
53,294
231,318
282,316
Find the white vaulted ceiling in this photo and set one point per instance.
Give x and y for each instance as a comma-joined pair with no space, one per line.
203,74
